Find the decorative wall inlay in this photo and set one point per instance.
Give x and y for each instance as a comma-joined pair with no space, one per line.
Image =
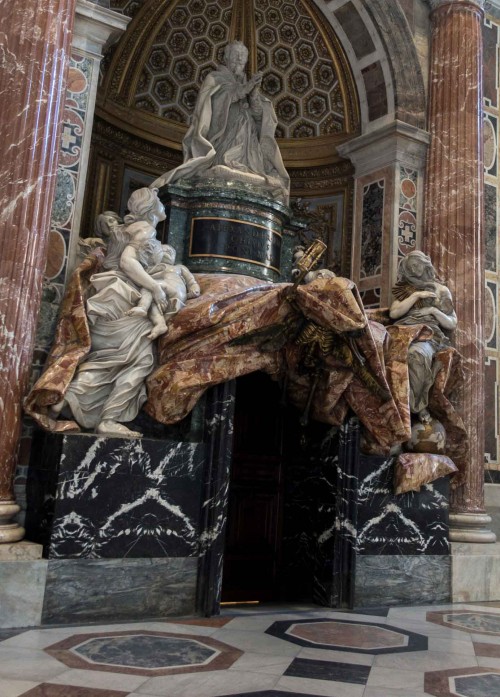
490,63
73,129
407,218
492,435
372,229
491,218
491,116
491,310
346,635
490,125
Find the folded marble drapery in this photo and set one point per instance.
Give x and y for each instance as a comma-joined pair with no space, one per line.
239,325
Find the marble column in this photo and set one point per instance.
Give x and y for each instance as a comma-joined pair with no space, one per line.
454,222
35,41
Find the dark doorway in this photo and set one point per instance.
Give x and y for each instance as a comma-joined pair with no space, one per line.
255,512
290,488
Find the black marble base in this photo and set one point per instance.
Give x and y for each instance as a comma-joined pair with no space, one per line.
134,528
96,497
414,523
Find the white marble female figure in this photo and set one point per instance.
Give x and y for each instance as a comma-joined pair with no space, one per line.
109,386
421,299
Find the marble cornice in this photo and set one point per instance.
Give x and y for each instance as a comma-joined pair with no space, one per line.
437,4
492,7
396,142
96,27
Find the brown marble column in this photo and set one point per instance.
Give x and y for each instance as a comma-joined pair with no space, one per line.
454,222
35,41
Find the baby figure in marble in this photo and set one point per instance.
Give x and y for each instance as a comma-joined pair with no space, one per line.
158,260
421,299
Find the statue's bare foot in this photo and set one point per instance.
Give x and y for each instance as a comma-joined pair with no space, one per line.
112,428
424,416
158,330
56,409
137,312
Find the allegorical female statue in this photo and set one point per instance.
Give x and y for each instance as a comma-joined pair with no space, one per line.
109,385
232,130
422,299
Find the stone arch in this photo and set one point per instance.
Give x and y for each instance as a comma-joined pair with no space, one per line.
378,40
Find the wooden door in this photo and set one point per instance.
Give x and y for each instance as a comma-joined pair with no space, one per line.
253,535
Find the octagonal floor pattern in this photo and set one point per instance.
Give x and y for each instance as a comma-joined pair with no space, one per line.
264,651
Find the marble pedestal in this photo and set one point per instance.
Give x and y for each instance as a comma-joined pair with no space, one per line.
375,548
475,572
132,528
402,542
119,523
228,227
22,584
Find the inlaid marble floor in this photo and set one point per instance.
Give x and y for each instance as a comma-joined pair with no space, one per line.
264,651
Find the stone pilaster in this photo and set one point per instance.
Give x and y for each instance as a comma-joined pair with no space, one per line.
389,166
454,225
35,41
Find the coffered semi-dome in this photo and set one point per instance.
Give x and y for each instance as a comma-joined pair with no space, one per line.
152,80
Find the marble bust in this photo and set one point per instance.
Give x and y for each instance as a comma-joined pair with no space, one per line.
421,299
232,133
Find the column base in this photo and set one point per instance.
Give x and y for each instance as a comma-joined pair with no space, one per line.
9,531
471,527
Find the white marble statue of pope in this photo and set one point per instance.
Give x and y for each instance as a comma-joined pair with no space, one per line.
232,131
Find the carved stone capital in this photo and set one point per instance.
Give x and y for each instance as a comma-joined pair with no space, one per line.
437,4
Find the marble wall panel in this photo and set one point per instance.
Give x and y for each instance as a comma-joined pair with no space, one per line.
355,29
22,585
491,49
85,590
490,64
491,222
491,315
490,125
376,90
372,229
491,411
383,580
